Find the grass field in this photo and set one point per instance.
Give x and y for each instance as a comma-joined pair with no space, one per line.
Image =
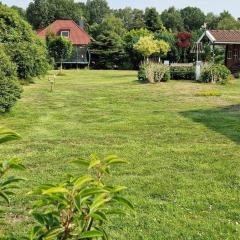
183,149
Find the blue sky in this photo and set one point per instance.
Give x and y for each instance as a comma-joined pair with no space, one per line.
232,6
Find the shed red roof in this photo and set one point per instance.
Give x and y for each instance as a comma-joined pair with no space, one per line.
77,35
226,36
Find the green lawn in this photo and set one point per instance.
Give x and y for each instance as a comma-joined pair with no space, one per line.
184,171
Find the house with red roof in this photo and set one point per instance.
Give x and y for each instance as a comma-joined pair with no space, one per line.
230,40
76,34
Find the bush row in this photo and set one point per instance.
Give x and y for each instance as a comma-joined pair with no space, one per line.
153,72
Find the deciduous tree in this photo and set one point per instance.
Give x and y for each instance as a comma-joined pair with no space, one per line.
193,18
172,19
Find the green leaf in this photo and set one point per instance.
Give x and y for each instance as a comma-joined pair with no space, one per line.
99,216
91,234
111,157
12,180
124,201
53,233
92,191
80,162
38,217
94,163
5,197
55,190
116,161
82,180
7,135
99,201
117,189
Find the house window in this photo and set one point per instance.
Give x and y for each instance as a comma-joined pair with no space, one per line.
65,33
229,54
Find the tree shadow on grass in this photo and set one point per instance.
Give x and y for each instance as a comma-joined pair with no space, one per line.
224,120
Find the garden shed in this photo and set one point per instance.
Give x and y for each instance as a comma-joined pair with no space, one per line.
230,39
76,34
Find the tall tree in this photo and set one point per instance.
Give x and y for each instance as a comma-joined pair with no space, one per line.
96,10
193,18
227,22
131,38
107,47
212,21
21,11
41,13
138,19
172,19
152,20
132,18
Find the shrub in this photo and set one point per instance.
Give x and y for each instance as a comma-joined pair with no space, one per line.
79,207
153,72
31,61
26,50
182,72
10,90
215,73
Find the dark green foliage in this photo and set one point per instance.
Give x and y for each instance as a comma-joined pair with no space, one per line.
96,10
172,19
41,13
107,47
10,90
153,20
174,54
59,48
31,61
212,21
193,18
166,77
132,18
22,45
182,73
142,77
215,73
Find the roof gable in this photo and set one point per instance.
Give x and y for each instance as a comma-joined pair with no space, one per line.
222,36
77,35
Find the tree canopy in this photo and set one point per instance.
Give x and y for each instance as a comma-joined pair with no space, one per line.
40,13
193,18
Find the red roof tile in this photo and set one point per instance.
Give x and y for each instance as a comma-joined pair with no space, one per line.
226,36
77,35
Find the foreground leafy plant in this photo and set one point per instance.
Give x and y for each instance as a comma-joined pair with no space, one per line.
8,183
78,207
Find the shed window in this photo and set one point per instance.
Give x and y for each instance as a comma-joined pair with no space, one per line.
65,34
229,54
